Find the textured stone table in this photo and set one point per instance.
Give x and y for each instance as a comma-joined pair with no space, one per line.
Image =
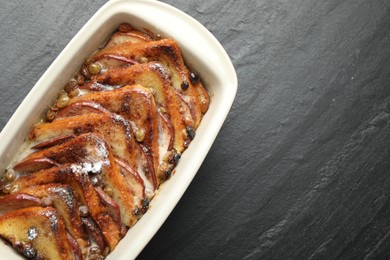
301,168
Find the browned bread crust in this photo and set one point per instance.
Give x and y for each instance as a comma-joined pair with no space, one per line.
153,76
167,53
65,201
72,175
36,232
113,129
96,157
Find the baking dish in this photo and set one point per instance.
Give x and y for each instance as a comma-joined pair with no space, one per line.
202,53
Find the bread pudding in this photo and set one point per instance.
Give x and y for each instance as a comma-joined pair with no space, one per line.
114,134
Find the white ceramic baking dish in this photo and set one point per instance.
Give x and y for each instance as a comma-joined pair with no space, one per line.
202,52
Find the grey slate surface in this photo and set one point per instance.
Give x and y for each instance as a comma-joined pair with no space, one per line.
300,169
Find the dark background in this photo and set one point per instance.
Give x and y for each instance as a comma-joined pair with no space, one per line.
300,169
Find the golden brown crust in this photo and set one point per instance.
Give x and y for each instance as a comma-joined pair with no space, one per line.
94,154
65,201
43,236
167,52
79,181
134,103
140,155
113,129
153,76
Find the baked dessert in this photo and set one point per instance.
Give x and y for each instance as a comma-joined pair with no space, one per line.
113,136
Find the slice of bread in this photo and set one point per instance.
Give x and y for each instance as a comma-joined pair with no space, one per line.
113,129
65,201
95,157
36,232
70,174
